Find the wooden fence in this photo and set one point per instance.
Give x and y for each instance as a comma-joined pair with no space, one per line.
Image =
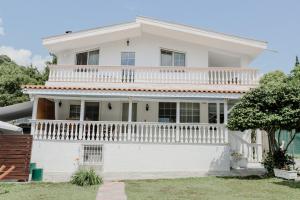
15,150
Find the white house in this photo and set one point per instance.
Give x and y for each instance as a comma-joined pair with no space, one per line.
146,98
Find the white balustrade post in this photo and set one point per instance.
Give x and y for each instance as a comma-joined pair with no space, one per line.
177,120
226,120
82,108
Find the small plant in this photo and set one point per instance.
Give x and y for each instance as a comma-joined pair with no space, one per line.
236,156
86,177
268,164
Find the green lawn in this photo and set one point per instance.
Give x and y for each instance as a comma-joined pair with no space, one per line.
45,191
213,188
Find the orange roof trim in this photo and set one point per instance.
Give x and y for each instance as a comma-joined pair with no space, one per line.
132,89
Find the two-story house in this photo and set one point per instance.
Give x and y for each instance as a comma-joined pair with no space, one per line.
143,99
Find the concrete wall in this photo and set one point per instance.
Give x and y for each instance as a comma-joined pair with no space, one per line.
147,52
165,158
61,159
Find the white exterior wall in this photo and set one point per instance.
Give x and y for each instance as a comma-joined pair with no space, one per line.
60,160
165,158
147,52
147,48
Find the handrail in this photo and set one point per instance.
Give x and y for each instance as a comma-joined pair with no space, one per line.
116,67
116,131
153,75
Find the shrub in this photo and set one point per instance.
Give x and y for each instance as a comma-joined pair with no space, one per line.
86,177
280,160
268,164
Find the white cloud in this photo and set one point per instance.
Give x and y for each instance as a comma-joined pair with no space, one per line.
24,57
1,27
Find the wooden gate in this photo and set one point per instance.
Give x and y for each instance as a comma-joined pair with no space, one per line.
15,149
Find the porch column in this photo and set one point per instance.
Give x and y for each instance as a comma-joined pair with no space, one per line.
226,120
130,110
129,118
82,107
34,115
177,120
81,128
35,108
56,106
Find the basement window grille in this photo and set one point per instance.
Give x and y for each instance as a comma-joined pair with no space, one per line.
92,154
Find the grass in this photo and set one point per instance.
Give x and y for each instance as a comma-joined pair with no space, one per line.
45,191
213,188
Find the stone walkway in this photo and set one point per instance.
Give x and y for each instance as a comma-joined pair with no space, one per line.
112,191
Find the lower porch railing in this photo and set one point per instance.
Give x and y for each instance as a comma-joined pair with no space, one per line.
136,132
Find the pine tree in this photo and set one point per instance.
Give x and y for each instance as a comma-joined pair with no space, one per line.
297,61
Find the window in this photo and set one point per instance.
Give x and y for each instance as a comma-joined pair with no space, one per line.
74,112
189,112
171,58
91,111
92,154
221,113
212,113
166,58
167,112
179,59
88,58
128,58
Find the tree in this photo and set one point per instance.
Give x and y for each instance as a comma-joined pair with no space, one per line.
12,77
273,106
297,61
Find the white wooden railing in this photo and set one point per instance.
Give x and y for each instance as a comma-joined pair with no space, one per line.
172,75
251,151
133,132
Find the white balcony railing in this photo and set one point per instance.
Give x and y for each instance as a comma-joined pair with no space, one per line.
132,132
160,75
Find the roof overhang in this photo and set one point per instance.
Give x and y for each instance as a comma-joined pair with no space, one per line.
165,29
36,90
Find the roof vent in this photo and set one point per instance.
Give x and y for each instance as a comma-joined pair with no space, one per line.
67,32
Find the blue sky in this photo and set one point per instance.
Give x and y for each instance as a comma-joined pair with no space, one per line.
24,23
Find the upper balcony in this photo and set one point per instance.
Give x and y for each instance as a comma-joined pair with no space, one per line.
135,76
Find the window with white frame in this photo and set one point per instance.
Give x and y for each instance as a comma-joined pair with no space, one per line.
212,113
167,112
88,58
128,58
92,154
189,112
171,58
74,113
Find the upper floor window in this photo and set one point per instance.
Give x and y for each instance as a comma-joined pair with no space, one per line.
128,58
88,58
171,58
